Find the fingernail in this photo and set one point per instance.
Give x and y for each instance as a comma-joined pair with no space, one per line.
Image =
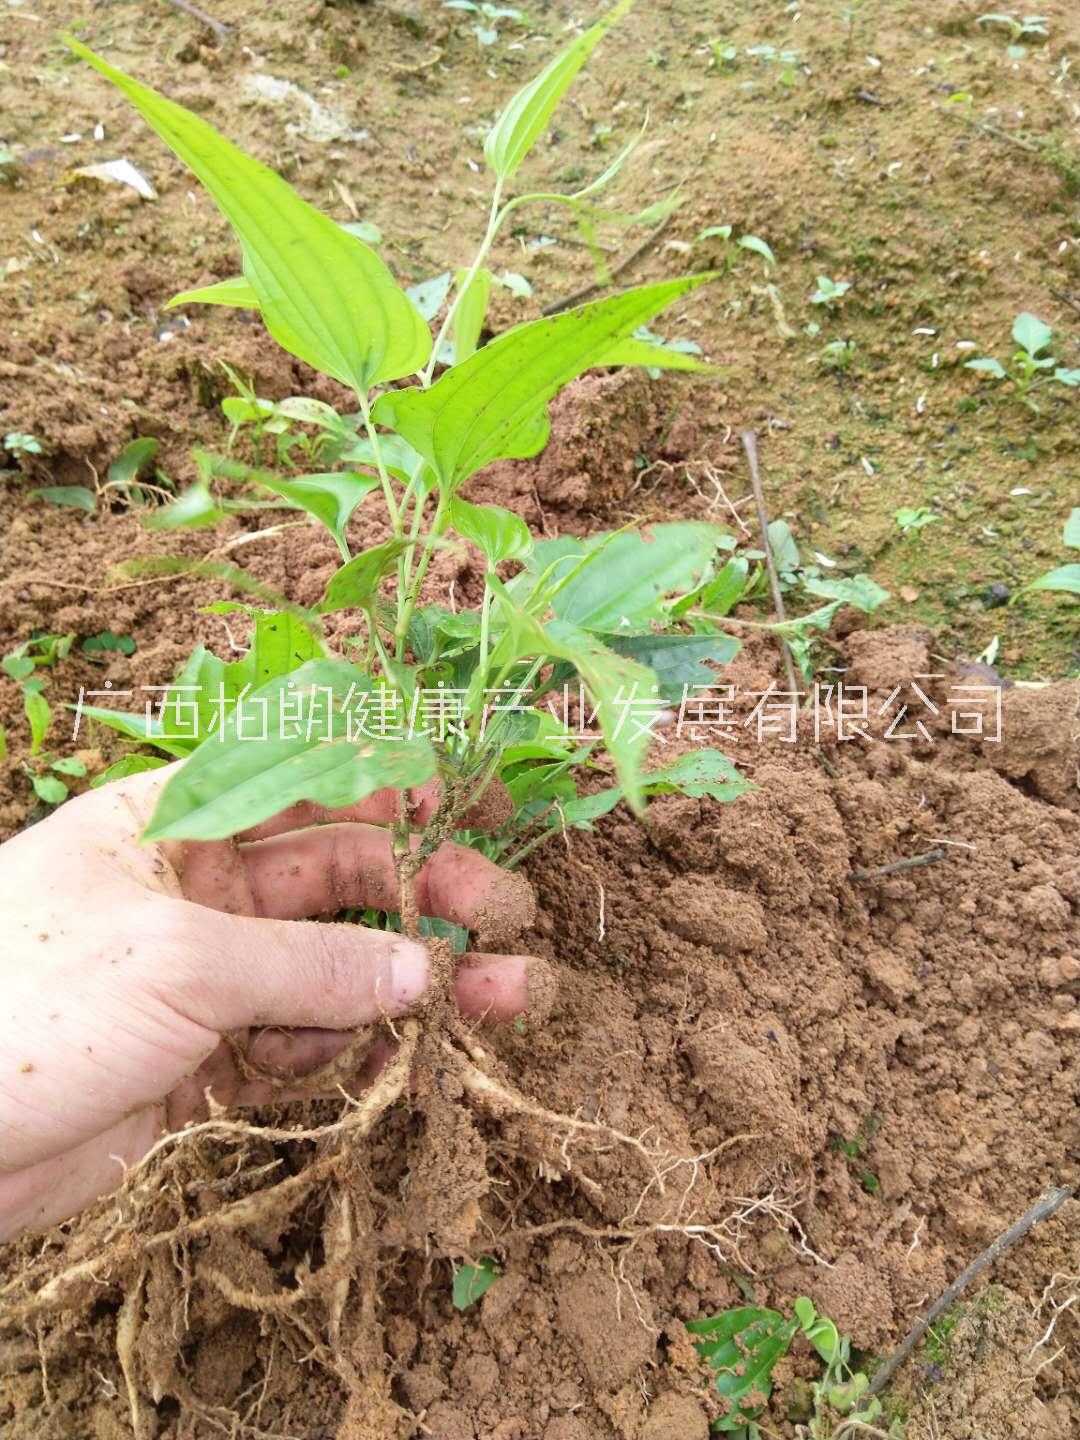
408,974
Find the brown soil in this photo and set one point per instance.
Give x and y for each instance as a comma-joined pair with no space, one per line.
726,991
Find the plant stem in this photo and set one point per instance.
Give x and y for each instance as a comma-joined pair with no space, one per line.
749,440
494,221
380,463
438,525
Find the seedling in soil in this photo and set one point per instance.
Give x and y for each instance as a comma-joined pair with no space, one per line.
17,442
1066,578
1031,27
44,776
829,292
911,519
721,56
753,243
596,613
486,28
1030,368
785,61
838,355
743,1346
472,1282
41,652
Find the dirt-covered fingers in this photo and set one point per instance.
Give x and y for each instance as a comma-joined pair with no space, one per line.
337,867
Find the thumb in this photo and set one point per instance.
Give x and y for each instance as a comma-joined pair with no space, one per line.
226,971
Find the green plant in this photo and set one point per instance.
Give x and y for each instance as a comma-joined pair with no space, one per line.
909,519
40,652
16,442
1030,369
743,1347
855,1148
838,355
472,1282
1066,578
486,28
829,292
721,56
1031,26
786,61
752,243
428,692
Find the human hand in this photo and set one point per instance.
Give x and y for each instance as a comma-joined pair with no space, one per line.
126,963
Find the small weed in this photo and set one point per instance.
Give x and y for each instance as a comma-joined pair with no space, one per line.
722,57
486,28
786,62
472,1282
838,355
743,1346
908,521
1031,27
829,292
753,243
1030,368
17,442
1066,578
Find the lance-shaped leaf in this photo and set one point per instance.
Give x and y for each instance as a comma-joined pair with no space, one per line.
236,292
526,116
238,781
623,692
494,405
356,584
324,295
677,660
659,357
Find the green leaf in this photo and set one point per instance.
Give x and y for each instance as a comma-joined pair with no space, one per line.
804,1311
624,587
471,1282
700,774
624,692
136,728
133,459
469,315
356,583
128,765
107,641
659,357
1067,377
743,1347
330,497
429,295
676,660
782,543
499,534
239,781
236,292
824,1336
1031,333
859,590
3,743
527,114
78,497
69,765
325,296
431,925
988,366
195,509
1072,530
39,713
494,406
49,789
18,665
723,592
758,246
1066,578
